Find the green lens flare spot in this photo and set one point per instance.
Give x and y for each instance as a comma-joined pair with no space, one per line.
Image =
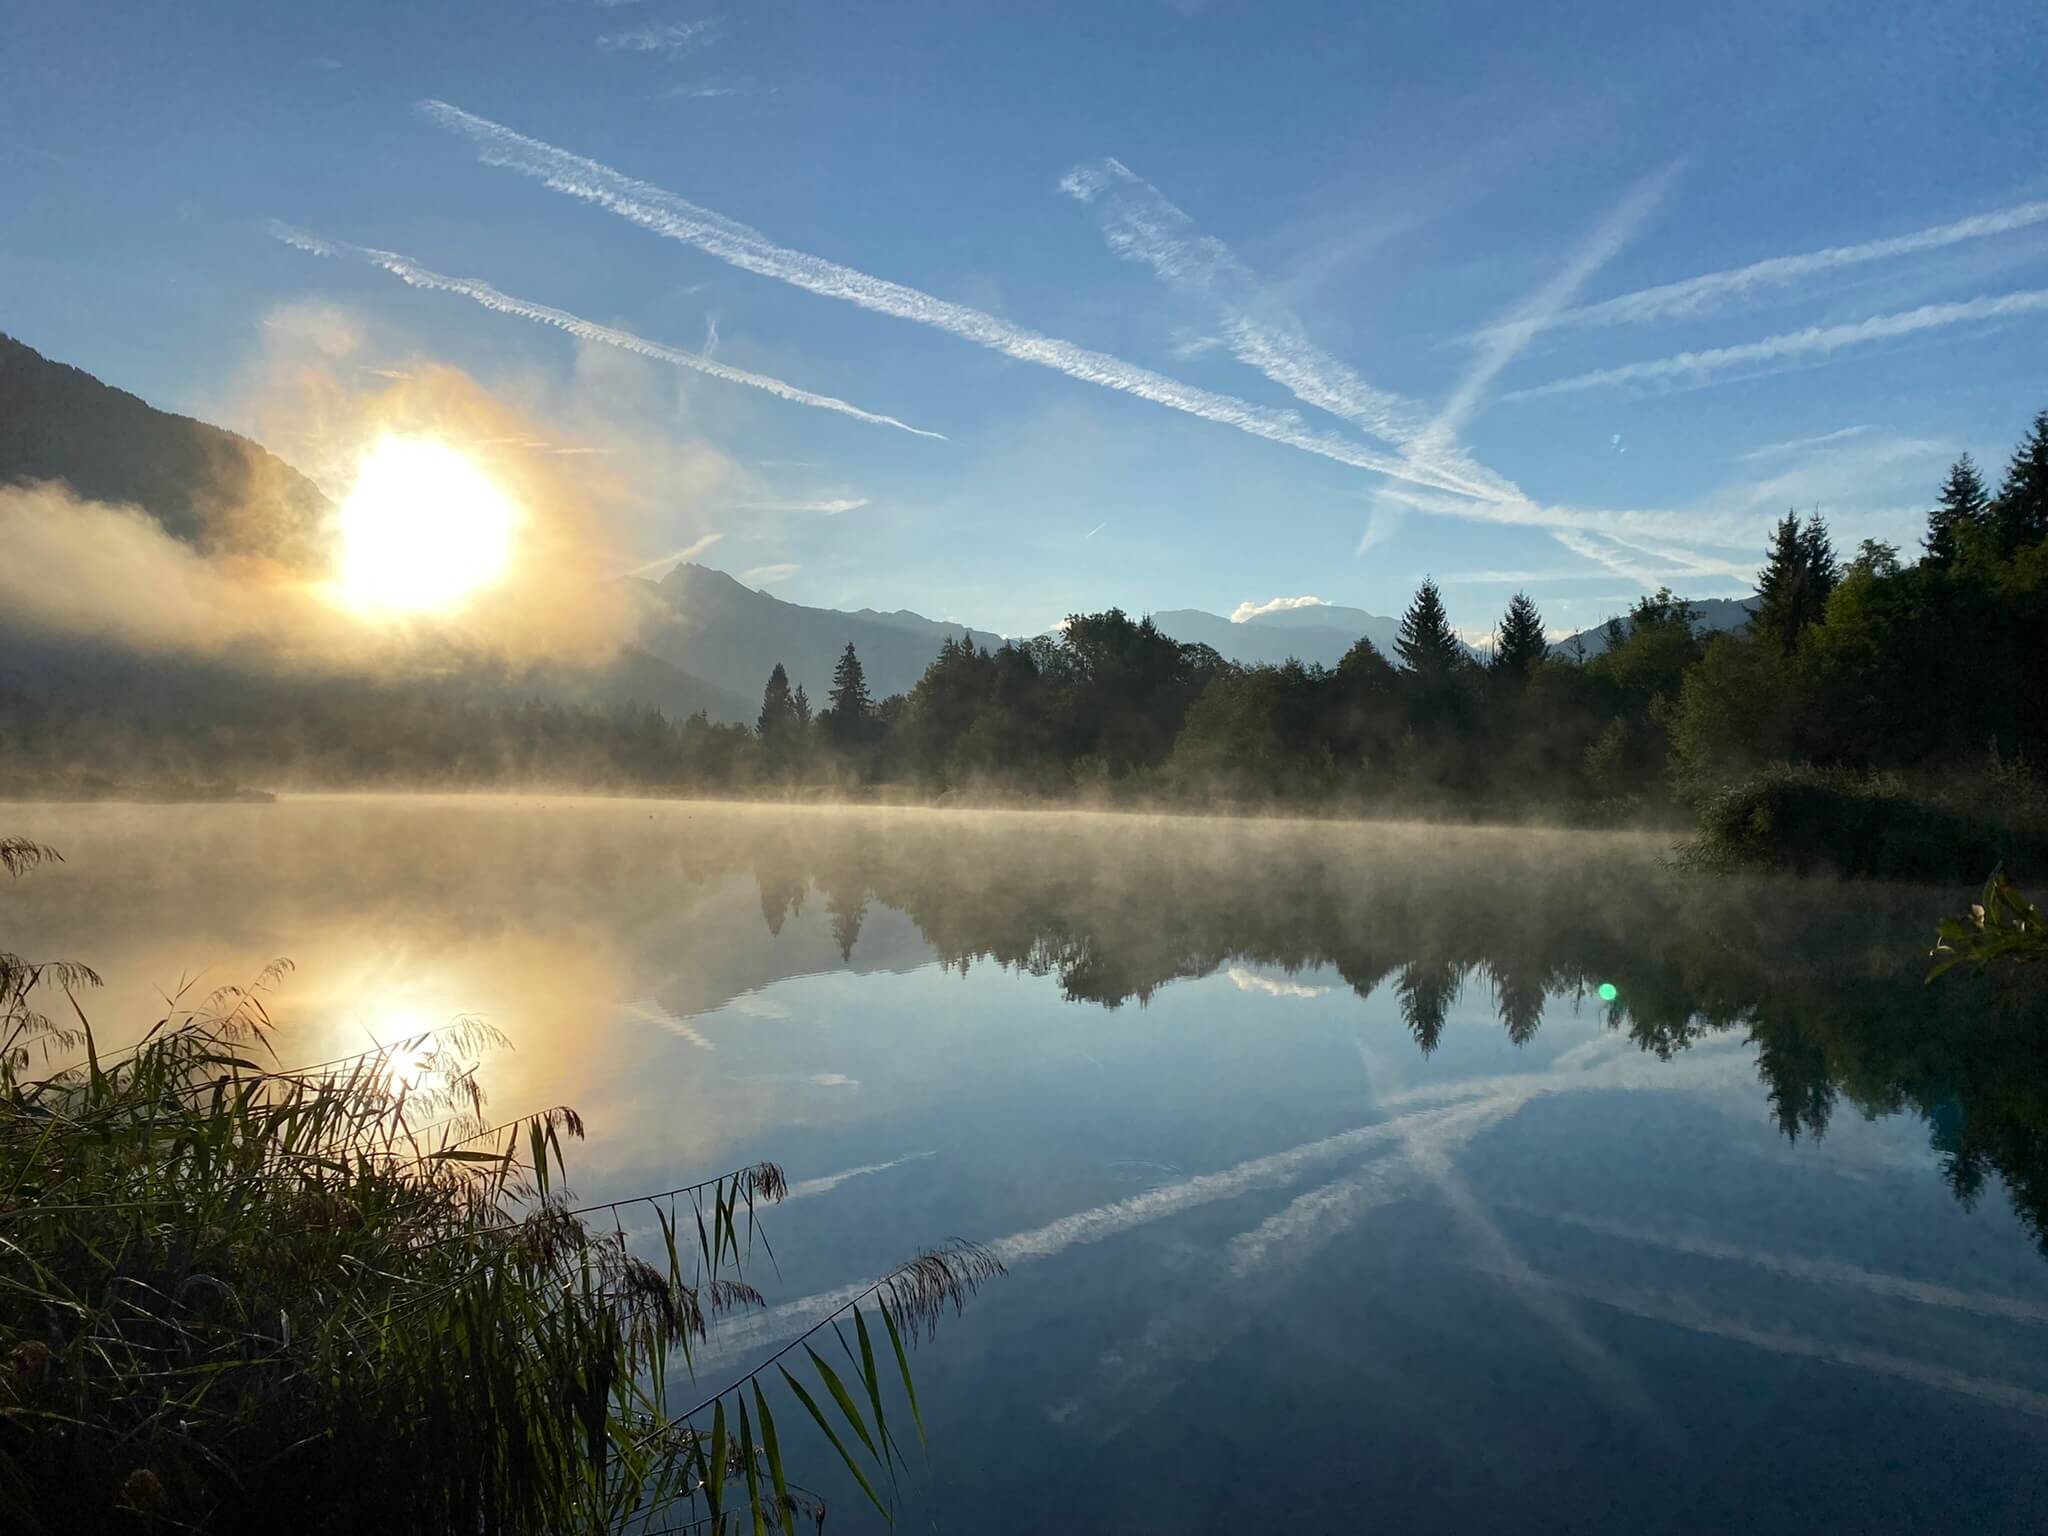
1608,992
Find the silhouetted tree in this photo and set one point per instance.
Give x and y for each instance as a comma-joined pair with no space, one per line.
2020,515
1959,513
1425,642
802,705
1519,643
1799,575
778,709
849,711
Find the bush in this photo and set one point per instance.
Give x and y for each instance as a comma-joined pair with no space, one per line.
1805,819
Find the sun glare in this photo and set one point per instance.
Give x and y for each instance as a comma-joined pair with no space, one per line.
423,528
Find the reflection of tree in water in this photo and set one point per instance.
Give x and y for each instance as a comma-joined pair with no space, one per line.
1826,983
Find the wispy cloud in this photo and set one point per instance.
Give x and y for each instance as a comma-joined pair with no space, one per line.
706,90
672,217
413,274
1251,981
1142,225
1246,611
828,506
1381,524
660,565
766,573
671,38
1793,445
825,1184
1814,341
1699,295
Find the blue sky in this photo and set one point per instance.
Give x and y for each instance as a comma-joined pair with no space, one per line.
1204,304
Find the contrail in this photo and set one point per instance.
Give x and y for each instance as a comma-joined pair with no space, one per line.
1505,342
831,1181
663,213
1815,340
1697,295
1141,224
417,276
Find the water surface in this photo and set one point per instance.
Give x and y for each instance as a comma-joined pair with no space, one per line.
1348,1177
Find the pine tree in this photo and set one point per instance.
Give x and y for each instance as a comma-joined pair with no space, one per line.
1519,644
802,707
1425,642
1962,509
1822,572
778,709
2020,515
1779,600
850,710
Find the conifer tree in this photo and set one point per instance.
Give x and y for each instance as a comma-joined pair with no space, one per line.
1425,642
778,709
1822,572
1519,643
850,710
801,705
1962,509
2020,515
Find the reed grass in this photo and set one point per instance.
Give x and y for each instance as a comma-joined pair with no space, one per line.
237,1295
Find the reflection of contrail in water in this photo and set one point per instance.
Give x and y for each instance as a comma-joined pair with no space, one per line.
1476,1103
831,1181
1820,1271
652,1012
1683,1312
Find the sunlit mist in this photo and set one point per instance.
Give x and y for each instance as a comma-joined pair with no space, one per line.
423,528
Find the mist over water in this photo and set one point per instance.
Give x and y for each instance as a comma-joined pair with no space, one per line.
1324,1141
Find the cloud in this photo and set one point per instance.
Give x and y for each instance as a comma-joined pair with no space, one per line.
665,214
1252,981
326,329
1141,225
762,574
416,276
661,565
1813,341
827,506
712,88
1709,291
672,38
1381,524
1246,611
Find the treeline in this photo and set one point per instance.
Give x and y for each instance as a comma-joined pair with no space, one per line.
1880,710
1874,664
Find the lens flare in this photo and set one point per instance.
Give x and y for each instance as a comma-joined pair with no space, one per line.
422,530
1608,992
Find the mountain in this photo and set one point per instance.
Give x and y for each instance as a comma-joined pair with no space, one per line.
215,490
1714,615
1321,633
222,493
732,636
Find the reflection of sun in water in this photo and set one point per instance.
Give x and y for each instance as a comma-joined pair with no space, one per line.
422,529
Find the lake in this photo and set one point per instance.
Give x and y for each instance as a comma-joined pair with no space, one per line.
1348,1176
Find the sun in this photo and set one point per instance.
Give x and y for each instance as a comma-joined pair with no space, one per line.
422,530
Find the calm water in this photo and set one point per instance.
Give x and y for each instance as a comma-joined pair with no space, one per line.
1335,1196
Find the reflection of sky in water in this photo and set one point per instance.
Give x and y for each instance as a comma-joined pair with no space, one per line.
1273,1266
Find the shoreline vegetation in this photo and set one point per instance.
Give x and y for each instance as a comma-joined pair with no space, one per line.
245,1296
1879,715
